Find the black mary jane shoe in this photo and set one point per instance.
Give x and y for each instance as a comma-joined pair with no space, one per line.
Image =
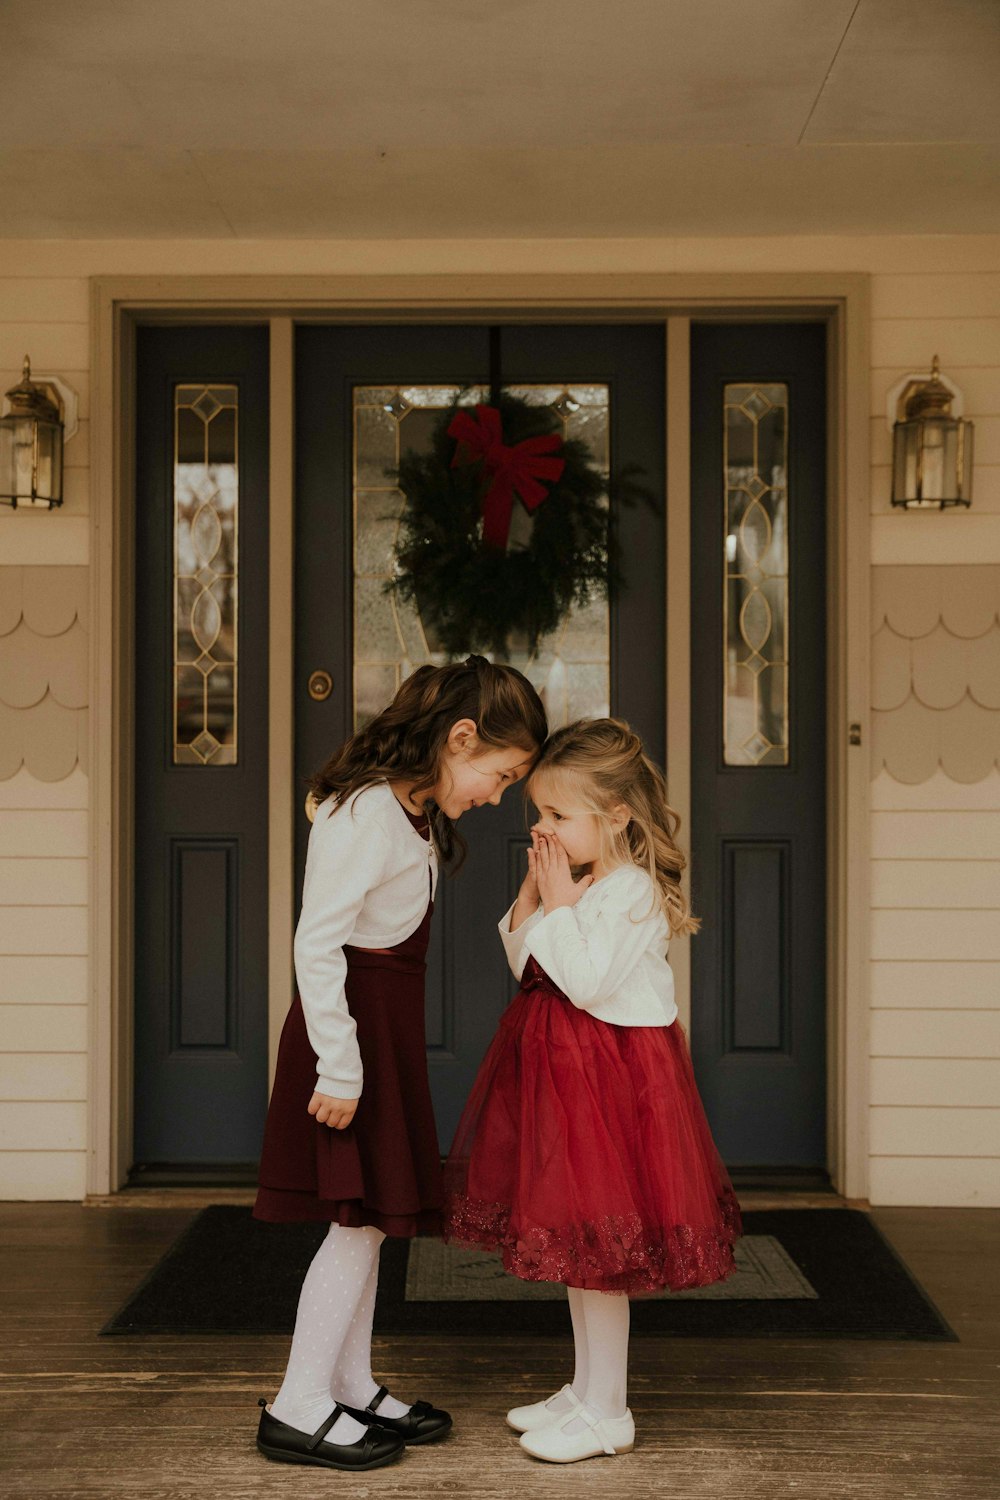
423,1423
290,1446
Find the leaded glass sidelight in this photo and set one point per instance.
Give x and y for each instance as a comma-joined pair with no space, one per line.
755,590
571,668
206,514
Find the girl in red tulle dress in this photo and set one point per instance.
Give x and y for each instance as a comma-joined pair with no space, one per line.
583,1154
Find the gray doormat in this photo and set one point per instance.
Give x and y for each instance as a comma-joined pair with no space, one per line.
448,1273
809,1273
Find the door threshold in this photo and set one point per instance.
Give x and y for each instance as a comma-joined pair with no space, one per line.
173,1197
781,1179
193,1174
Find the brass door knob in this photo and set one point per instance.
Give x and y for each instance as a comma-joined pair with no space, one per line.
320,686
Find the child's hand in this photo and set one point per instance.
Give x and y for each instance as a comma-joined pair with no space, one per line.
337,1113
528,894
556,885
527,897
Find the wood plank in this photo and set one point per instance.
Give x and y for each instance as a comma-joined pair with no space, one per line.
937,794
53,346
24,790
935,835
973,883
43,1075
969,295
910,983
36,833
43,1028
44,299
946,1181
43,1174
922,537
44,981
956,341
934,1132
935,1033
77,450
968,935
43,882
64,541
41,930
36,1126
940,1081
76,491
169,1416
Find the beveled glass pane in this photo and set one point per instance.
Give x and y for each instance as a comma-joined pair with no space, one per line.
570,668
376,448
206,544
755,574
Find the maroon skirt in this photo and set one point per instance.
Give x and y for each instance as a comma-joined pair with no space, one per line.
584,1156
385,1168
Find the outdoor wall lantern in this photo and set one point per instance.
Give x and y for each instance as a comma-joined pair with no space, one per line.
931,448
31,444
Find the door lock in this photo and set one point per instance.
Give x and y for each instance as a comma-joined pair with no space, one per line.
320,686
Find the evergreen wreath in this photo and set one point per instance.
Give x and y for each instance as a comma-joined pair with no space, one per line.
452,558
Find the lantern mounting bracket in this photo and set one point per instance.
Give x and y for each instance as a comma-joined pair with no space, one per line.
62,395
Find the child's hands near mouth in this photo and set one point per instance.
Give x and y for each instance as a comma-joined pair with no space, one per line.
549,863
527,897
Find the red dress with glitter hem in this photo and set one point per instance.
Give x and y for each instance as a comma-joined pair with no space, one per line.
385,1168
584,1156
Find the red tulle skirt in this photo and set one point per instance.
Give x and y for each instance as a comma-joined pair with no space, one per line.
583,1154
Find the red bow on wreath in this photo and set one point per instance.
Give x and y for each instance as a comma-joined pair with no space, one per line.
512,470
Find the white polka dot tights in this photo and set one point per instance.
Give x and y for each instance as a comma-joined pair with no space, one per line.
330,1358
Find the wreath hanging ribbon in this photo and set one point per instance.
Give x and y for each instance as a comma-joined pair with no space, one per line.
511,470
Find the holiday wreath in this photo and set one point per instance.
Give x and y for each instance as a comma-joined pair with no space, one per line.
454,558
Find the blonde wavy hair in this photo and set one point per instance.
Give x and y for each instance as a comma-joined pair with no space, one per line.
600,763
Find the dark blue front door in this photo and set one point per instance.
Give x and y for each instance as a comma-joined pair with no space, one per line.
758,751
201,739
365,394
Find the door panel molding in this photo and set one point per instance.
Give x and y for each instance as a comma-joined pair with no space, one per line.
118,303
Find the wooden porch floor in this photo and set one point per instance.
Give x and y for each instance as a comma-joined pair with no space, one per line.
161,1417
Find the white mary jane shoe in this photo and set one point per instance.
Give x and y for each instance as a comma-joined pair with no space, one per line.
540,1414
600,1435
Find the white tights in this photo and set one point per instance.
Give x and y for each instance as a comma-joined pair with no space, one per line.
331,1353
600,1340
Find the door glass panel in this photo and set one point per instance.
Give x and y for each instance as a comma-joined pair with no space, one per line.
755,590
206,512
571,667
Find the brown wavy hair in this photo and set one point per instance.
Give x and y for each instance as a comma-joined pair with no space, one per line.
406,740
602,764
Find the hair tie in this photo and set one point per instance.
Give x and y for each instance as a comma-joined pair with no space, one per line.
475,662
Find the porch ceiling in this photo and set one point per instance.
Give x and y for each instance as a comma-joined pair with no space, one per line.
454,118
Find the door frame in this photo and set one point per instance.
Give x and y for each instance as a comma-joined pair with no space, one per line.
120,303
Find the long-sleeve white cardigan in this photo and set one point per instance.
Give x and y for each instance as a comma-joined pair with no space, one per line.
366,883
608,953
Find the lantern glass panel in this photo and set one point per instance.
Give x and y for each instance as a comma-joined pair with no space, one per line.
48,474
933,476
17,452
7,485
965,460
904,462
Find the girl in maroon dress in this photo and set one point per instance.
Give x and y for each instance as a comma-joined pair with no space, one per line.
350,1138
583,1154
